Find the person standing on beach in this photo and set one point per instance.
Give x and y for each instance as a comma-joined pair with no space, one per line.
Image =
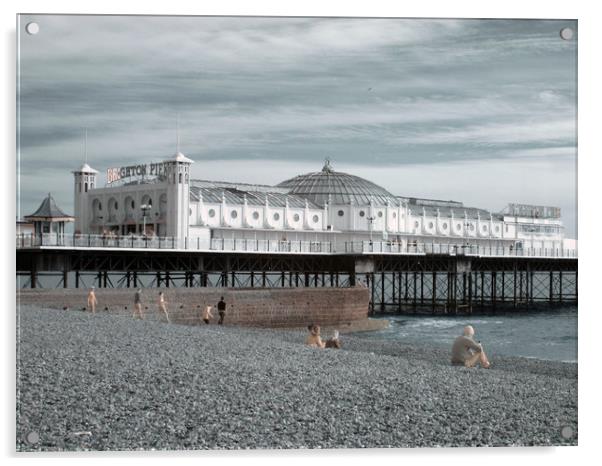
163,305
207,314
221,310
92,301
138,304
468,352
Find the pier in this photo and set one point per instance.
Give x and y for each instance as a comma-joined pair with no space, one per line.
402,277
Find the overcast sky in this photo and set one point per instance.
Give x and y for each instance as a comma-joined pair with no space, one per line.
479,111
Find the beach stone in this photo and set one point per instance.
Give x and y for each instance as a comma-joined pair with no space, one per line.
143,385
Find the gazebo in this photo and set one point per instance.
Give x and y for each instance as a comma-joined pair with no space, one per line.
49,218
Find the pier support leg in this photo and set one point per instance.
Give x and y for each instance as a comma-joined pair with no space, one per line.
434,292
470,292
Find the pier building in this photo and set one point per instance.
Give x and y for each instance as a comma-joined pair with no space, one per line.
159,200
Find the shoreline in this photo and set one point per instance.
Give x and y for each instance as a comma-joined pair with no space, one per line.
145,384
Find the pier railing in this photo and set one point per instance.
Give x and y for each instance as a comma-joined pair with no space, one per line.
390,247
285,246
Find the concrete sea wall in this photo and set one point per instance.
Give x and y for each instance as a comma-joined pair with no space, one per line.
265,307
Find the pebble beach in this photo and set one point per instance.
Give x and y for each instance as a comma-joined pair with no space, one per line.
108,382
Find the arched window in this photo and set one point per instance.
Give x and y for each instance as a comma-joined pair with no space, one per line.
180,178
86,187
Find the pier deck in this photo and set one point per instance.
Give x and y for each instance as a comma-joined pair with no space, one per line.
430,278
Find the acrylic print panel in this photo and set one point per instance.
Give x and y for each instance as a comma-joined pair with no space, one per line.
247,232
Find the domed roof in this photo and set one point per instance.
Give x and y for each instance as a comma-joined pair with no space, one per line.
342,188
85,168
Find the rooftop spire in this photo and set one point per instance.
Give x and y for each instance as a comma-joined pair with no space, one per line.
327,167
86,145
178,133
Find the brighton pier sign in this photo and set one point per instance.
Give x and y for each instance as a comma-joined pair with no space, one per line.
141,170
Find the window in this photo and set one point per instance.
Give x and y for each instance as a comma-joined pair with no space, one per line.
255,215
362,213
296,217
471,227
190,212
276,216
211,213
340,213
133,204
394,214
116,205
445,225
431,225
458,227
99,206
497,228
416,223
180,178
233,214
316,218
380,214
484,227
86,187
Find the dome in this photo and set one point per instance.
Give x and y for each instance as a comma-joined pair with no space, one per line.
342,188
179,157
85,168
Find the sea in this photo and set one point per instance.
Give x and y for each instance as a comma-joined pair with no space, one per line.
548,335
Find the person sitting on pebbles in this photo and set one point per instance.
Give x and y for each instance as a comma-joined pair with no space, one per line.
314,340
92,301
468,352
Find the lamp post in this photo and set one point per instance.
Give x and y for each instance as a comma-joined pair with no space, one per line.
467,226
145,208
370,222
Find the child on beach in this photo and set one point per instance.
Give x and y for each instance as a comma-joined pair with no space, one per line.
92,301
314,340
163,305
468,352
207,314
138,304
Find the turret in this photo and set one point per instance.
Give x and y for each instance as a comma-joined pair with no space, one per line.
178,195
84,180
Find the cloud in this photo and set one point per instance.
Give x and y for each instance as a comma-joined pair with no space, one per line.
397,92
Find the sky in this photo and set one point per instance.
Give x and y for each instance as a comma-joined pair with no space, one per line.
478,111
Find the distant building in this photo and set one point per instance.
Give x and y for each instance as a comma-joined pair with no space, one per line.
160,199
49,218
